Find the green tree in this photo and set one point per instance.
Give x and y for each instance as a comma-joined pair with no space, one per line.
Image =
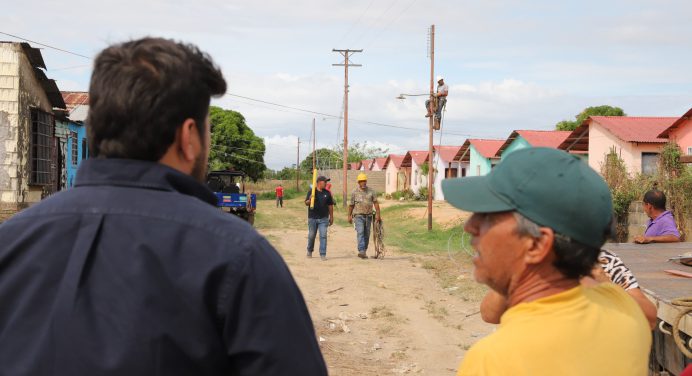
605,110
234,145
325,158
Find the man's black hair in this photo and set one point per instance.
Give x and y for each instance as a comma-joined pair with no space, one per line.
141,91
656,198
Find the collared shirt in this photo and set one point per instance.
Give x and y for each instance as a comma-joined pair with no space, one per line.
363,200
664,224
135,272
323,200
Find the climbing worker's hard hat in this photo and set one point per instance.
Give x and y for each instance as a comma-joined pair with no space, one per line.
440,78
362,177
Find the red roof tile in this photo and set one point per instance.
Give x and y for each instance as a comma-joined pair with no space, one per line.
354,165
487,148
75,98
676,124
418,156
366,163
635,129
379,162
548,139
447,153
395,159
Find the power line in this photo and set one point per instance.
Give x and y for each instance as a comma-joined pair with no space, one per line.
390,24
376,21
356,23
45,45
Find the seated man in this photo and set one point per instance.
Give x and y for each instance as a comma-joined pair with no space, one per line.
661,227
533,245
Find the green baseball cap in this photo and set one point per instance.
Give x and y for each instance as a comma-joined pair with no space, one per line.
548,186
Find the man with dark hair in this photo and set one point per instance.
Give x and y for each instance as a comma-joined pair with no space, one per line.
661,227
533,243
134,271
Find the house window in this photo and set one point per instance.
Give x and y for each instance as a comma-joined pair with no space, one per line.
649,163
689,150
84,148
41,136
463,172
75,148
450,172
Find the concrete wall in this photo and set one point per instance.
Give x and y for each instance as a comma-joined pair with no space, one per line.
20,91
418,180
683,137
9,132
391,173
376,181
478,164
637,221
601,141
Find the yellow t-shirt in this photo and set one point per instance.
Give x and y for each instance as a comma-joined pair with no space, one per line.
584,331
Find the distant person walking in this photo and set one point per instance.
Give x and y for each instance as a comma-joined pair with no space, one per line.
320,216
661,227
363,199
279,196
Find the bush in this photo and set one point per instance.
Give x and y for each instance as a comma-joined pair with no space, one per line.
406,194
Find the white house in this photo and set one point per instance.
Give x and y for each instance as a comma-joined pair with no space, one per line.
447,165
415,161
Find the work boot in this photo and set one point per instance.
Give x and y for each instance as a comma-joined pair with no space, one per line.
323,257
309,255
362,255
428,115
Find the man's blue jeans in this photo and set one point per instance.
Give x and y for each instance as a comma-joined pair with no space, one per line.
313,225
363,225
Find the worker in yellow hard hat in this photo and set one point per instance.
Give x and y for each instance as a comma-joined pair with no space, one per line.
360,208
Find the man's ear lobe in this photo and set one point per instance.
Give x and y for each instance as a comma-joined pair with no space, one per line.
187,133
541,247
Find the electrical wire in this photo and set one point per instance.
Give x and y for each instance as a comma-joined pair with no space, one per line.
45,45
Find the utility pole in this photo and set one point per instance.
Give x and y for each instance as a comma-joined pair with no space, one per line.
298,167
314,155
431,170
346,54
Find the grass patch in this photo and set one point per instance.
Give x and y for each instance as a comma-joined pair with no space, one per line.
381,312
435,311
411,234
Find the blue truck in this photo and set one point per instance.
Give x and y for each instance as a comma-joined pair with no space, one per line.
229,188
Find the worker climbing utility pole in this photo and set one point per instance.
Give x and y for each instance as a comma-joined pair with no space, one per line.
431,170
346,54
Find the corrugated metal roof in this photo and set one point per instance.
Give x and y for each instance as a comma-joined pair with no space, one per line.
447,153
676,124
395,159
635,129
75,99
548,139
487,148
381,162
418,156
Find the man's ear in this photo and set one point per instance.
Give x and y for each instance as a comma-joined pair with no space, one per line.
540,248
190,143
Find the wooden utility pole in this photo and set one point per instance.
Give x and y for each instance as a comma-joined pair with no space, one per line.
314,156
346,54
431,170
298,167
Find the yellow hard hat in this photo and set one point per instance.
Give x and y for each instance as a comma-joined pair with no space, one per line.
362,177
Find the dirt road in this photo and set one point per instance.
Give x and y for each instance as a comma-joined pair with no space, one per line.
375,317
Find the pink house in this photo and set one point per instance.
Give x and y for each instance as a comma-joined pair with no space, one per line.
414,161
396,178
354,166
378,164
637,140
681,133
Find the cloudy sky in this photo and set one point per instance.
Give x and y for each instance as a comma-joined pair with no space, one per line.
510,64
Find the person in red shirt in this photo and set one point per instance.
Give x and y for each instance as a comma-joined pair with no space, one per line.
279,196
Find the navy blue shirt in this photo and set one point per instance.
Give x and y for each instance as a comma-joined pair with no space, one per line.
323,200
135,272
